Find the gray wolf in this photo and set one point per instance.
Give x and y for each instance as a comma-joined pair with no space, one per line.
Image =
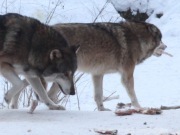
112,48
35,50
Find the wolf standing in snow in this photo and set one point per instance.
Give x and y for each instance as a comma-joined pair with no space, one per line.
113,47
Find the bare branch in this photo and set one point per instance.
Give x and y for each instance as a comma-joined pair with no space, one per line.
52,12
166,53
169,107
106,132
101,10
110,97
79,77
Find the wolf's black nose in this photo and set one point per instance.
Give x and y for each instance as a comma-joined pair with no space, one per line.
72,92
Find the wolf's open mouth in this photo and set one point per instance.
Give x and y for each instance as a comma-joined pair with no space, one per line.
160,50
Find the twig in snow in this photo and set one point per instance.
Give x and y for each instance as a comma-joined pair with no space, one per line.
169,107
79,77
166,53
106,132
30,96
110,98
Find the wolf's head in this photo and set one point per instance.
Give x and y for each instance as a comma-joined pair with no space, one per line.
62,68
143,39
157,37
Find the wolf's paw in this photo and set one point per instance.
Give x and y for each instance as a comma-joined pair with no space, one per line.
103,109
56,107
136,105
14,106
14,103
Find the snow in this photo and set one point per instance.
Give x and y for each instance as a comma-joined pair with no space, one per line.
143,6
46,122
156,80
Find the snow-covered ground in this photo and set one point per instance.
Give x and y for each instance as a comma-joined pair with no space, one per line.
157,80
45,122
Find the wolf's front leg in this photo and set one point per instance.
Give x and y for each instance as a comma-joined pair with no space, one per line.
98,92
39,89
128,81
53,92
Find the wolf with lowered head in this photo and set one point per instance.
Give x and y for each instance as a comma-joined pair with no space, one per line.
35,50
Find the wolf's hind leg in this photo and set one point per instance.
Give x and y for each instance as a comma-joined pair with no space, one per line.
17,84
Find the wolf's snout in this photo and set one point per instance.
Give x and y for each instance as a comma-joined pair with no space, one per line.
72,92
162,46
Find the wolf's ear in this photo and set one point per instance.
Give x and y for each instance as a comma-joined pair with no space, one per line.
75,48
155,31
55,54
152,29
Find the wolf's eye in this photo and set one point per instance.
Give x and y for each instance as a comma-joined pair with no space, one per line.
66,74
70,73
